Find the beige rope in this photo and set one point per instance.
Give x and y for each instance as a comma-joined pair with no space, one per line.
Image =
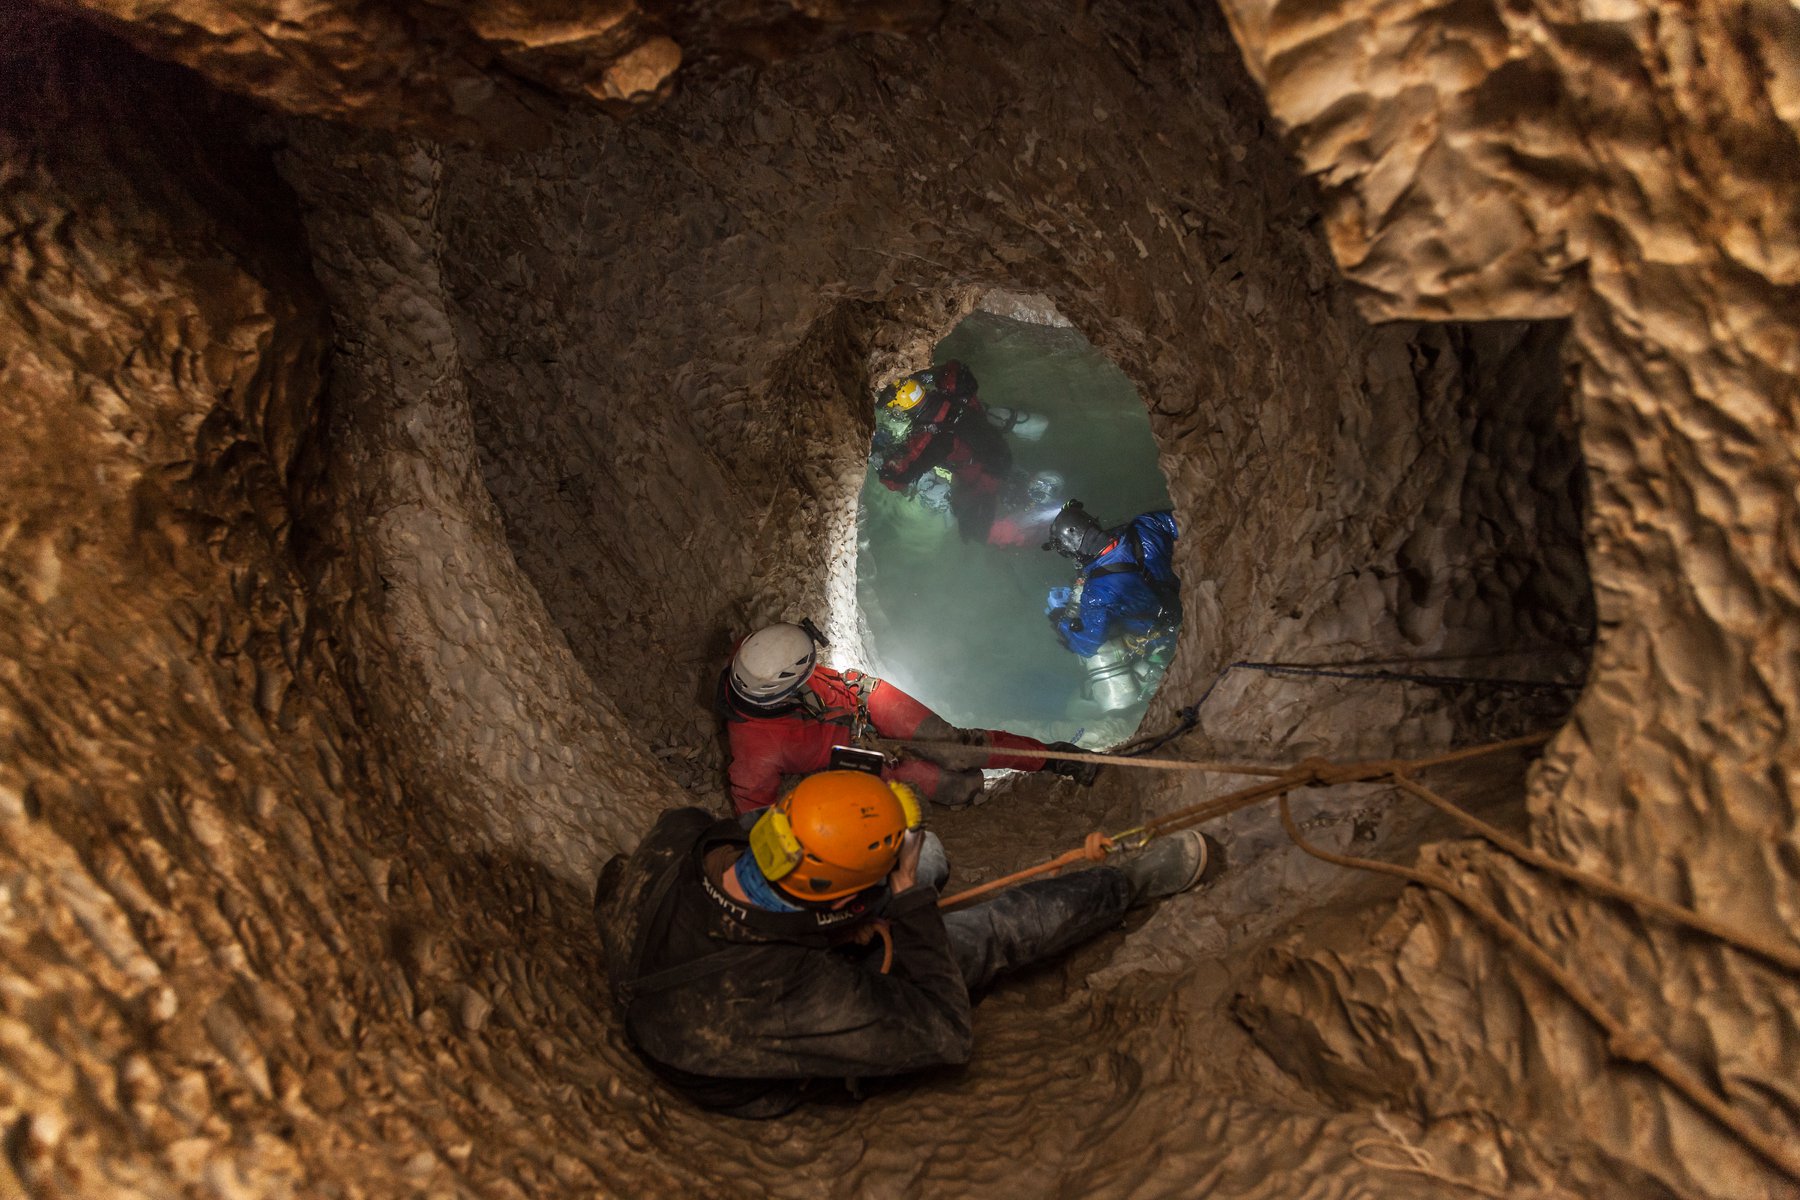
1784,956
1321,770
1318,770
1621,1041
1120,760
1300,775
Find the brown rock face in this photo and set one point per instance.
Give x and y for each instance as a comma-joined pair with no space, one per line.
1632,165
375,513
488,71
493,71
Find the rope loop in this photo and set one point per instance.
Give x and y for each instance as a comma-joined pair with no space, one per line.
1314,770
1097,846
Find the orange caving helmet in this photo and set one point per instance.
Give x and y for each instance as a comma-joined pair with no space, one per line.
835,834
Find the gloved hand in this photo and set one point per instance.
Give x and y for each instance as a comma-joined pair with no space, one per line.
890,478
1056,601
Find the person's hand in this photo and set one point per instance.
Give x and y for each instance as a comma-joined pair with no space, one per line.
906,868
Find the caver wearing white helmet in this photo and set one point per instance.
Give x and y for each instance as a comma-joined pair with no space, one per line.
785,713
772,664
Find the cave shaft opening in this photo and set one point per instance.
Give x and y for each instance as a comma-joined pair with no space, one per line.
951,613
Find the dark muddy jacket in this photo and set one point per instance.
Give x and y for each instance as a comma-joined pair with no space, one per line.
739,1008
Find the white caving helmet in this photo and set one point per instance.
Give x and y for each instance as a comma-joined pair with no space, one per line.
772,664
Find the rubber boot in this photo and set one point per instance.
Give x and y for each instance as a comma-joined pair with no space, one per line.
1167,867
1081,772
939,785
960,789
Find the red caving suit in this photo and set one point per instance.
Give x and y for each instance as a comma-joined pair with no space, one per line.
950,429
797,738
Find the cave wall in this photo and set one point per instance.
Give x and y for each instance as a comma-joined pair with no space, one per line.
471,69
301,766
670,327
1630,166
177,739
253,946
466,678
489,70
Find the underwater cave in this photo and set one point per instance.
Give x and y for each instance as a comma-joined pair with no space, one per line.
947,610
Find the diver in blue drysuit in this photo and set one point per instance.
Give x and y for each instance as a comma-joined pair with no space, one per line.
1125,604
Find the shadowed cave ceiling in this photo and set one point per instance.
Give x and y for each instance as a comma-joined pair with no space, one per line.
405,405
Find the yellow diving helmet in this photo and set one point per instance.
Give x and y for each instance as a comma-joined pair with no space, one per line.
908,395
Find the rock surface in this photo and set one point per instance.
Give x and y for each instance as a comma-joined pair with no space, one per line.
371,533
1630,166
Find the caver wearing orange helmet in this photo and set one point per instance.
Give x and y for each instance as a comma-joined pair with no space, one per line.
744,969
835,834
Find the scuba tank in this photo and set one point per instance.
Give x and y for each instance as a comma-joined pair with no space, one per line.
1112,678
891,429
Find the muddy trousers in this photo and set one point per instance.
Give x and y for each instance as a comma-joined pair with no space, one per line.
1024,926
1029,924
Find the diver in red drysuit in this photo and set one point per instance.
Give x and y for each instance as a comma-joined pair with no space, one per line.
1028,509
947,427
784,712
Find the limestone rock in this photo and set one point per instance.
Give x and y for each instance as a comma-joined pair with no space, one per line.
376,511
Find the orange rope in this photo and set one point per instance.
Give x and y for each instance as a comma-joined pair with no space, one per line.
1095,849
1304,774
887,946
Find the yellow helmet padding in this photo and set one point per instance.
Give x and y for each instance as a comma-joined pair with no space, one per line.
909,804
773,844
